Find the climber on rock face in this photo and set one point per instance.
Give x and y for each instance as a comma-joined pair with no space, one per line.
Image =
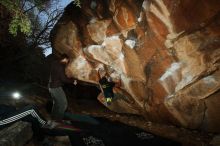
58,78
107,85
56,81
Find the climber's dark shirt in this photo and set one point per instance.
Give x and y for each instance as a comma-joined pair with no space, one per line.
107,87
57,75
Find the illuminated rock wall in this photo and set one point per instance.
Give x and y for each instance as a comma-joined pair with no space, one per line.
166,53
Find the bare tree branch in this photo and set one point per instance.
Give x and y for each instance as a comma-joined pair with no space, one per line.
31,8
40,34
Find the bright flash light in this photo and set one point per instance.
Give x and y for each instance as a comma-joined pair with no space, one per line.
16,95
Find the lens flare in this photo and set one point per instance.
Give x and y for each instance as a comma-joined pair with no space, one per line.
16,95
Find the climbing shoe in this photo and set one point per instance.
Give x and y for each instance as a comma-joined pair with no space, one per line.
108,100
50,124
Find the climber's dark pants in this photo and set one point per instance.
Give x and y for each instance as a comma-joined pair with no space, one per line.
59,102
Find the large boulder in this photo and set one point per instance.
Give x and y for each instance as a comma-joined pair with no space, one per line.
166,53
17,134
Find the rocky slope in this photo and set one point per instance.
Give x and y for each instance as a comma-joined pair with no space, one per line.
166,53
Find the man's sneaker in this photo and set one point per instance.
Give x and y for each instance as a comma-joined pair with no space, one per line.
50,125
67,122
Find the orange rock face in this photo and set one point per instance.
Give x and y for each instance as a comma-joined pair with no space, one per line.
166,53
